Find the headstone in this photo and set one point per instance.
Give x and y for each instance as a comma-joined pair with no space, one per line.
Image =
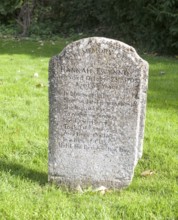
97,101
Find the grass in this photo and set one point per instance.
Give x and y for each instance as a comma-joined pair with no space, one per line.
24,190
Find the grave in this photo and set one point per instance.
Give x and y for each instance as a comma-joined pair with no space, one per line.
97,102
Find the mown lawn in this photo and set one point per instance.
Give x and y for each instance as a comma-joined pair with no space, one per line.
24,190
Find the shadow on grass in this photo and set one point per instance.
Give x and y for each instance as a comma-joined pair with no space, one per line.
23,172
31,48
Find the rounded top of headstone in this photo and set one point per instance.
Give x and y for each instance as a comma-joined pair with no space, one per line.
101,44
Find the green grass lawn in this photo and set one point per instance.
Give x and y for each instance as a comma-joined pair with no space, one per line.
24,190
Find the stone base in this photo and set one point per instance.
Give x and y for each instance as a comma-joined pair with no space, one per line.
85,183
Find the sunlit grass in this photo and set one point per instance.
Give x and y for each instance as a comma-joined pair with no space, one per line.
24,190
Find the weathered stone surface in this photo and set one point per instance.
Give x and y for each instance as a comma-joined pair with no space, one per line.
97,99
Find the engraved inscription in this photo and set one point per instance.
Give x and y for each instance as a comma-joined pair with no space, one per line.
89,94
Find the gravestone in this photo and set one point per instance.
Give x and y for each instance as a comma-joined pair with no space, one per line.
97,101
